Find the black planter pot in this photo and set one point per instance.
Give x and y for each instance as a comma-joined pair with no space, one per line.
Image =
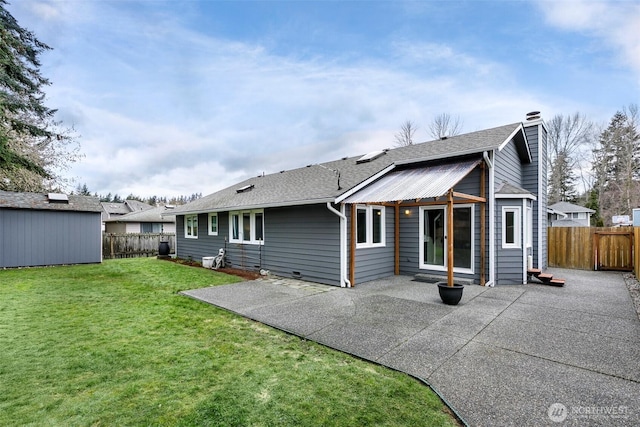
450,295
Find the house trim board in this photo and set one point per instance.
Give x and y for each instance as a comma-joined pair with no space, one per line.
488,157
258,206
510,138
524,232
517,196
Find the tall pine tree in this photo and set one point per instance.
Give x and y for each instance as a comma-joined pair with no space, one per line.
33,147
617,165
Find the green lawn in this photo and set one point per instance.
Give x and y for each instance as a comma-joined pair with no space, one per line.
113,344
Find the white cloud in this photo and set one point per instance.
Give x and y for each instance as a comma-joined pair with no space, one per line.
617,23
166,110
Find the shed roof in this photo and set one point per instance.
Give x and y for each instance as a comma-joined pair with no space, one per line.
42,202
320,183
418,183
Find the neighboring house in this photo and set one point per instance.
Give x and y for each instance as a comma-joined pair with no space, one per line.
49,229
112,210
564,214
154,220
388,212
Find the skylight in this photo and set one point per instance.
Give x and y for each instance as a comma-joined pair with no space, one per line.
370,156
245,188
58,198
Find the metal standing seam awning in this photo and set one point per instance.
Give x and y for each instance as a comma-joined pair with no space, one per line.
417,184
414,184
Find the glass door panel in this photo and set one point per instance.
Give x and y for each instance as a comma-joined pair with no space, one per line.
433,238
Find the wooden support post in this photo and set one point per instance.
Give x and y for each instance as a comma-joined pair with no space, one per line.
450,239
352,251
397,240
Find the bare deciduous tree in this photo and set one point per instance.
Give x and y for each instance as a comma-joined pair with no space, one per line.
569,139
405,136
444,125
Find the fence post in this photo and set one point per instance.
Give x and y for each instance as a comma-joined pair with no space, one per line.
111,245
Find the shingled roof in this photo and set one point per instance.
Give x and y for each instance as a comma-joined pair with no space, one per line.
158,214
45,202
566,207
319,183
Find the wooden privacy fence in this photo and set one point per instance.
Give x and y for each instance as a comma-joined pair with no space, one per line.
132,245
594,248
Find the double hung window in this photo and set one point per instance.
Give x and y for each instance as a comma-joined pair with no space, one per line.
191,226
213,224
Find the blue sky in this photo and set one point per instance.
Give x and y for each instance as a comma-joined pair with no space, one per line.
177,97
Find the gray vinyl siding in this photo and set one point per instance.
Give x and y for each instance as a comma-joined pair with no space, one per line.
543,197
304,240
374,263
508,166
534,179
508,260
300,241
47,237
410,234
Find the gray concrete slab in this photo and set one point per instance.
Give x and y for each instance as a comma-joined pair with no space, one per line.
566,346
490,386
509,355
318,312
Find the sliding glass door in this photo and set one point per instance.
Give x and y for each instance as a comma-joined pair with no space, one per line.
433,238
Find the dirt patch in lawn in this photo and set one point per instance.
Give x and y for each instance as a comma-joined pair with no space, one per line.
245,274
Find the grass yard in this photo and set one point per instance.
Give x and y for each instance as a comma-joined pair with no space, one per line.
113,344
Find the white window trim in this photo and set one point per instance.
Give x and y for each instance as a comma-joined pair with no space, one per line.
213,233
252,239
528,220
517,232
460,270
186,234
369,227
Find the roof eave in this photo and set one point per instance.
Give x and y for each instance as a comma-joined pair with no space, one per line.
257,206
519,129
443,156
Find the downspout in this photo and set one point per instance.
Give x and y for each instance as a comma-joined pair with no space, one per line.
344,281
492,221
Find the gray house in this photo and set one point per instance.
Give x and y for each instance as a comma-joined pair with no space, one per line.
113,210
49,229
152,220
565,214
480,195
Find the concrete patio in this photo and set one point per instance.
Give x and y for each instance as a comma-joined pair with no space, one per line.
509,355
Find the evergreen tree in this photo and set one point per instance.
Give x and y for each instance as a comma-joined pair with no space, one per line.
32,144
83,190
562,186
617,165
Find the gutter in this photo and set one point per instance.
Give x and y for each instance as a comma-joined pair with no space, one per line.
344,281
